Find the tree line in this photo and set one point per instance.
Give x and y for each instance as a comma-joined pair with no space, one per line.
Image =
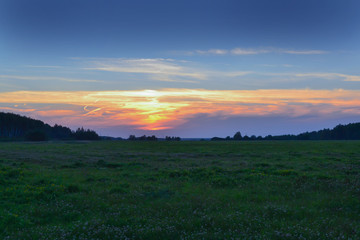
152,138
350,131
14,126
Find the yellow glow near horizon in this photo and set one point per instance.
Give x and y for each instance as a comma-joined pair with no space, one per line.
168,108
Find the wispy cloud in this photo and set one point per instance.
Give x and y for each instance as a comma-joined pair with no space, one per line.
47,78
352,78
158,66
5,85
344,77
243,51
296,76
213,51
277,65
303,52
255,51
233,74
163,78
164,70
43,66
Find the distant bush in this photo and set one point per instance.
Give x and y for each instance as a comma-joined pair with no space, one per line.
168,138
85,134
142,138
217,139
237,136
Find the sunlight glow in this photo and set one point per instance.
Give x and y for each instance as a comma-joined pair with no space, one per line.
170,108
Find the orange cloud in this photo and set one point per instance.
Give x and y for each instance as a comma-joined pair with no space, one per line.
169,108
56,113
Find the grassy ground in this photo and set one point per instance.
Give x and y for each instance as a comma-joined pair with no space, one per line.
180,190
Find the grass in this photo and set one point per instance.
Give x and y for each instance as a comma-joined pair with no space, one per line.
180,190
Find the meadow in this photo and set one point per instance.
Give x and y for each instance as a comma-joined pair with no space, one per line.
180,190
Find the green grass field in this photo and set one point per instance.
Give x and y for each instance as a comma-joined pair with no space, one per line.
180,190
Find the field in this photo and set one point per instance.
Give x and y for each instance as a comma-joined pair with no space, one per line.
180,190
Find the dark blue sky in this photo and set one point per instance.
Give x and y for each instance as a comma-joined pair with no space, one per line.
146,28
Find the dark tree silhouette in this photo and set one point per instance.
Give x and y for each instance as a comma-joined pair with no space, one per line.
85,134
237,136
217,139
246,138
132,137
167,138
142,138
14,126
340,132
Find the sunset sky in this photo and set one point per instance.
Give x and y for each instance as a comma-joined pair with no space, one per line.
197,68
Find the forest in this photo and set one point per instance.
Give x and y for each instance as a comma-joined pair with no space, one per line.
16,127
349,131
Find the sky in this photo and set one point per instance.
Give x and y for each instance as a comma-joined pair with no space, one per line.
182,68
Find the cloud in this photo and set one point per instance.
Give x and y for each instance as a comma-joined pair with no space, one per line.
243,51
5,85
163,78
277,65
294,76
344,77
351,78
213,51
47,78
234,74
304,52
255,51
164,70
171,108
157,66
43,66
177,71
173,72
56,113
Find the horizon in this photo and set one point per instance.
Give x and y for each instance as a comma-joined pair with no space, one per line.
186,138
188,69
